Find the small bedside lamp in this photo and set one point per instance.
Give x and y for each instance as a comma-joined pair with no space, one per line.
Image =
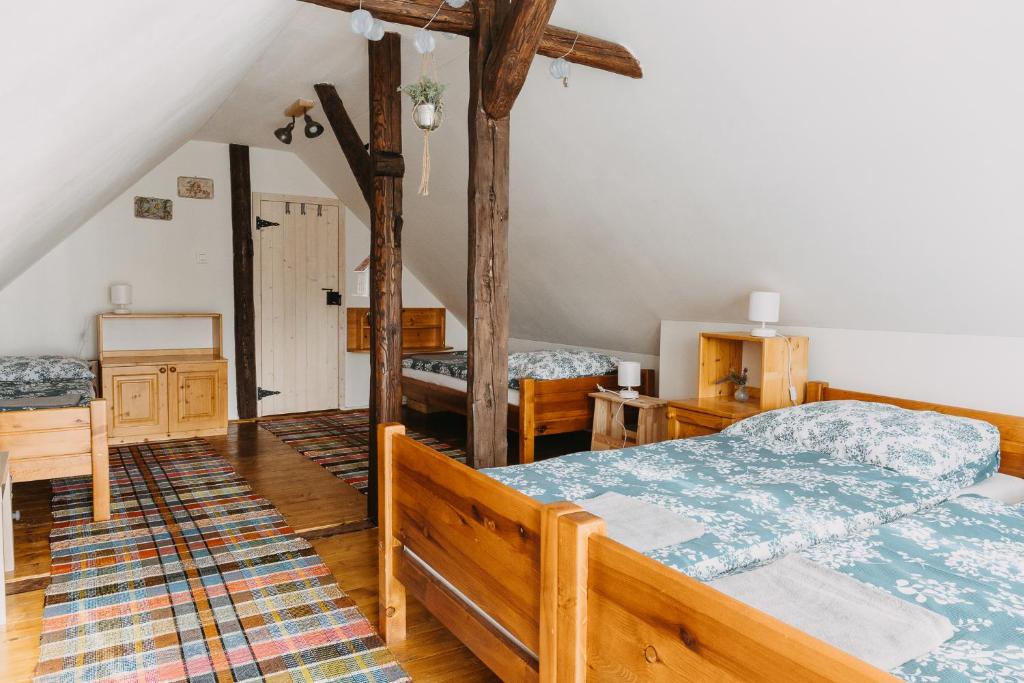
121,297
629,377
764,308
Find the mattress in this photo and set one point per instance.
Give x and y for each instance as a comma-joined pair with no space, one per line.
67,393
451,382
756,503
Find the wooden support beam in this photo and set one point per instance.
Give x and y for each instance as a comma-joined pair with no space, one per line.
245,310
487,394
348,137
511,57
555,42
385,248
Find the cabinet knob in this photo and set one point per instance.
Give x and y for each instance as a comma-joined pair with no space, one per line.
163,370
174,369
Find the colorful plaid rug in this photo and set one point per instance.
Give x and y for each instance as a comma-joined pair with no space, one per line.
195,578
339,442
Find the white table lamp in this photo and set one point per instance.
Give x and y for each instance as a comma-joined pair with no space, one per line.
764,308
121,297
629,377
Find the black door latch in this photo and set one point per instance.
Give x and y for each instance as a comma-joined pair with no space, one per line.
333,296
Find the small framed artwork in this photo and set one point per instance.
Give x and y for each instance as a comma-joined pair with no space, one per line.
154,208
195,188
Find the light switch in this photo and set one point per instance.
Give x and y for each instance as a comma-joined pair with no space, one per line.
202,258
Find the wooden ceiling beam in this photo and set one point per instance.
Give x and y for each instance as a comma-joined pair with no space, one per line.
555,41
348,137
513,53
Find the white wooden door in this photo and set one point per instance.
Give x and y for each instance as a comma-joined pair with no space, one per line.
299,245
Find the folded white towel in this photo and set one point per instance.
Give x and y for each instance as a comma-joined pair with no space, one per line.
862,620
640,525
1001,487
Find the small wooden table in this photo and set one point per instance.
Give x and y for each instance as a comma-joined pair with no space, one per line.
610,413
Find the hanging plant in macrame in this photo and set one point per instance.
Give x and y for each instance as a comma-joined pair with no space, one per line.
427,112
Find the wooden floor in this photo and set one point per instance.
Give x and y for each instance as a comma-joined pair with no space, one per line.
314,502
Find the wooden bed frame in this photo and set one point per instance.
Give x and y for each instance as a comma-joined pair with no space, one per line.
540,593
546,406
60,442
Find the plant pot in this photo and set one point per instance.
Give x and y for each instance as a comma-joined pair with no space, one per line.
425,116
742,394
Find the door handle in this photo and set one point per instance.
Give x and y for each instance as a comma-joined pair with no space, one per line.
163,370
333,296
174,369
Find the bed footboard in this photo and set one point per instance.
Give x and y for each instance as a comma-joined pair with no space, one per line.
479,555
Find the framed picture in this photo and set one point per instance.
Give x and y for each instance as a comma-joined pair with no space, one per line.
154,208
195,188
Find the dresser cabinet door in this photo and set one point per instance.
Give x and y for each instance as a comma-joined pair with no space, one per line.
137,399
197,396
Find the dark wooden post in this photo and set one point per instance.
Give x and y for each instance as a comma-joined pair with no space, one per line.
245,311
487,396
385,246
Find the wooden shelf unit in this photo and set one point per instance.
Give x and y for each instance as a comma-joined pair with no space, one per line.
156,394
423,330
714,408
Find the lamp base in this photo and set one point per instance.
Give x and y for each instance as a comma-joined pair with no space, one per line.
122,310
629,394
762,332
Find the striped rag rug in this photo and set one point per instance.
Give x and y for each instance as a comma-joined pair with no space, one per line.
339,442
194,578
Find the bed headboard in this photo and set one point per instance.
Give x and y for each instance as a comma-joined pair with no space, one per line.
1011,427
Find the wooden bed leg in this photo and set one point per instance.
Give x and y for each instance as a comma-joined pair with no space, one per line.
574,532
391,599
100,461
549,595
527,420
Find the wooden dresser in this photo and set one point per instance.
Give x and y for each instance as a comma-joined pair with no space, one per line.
423,330
158,391
776,360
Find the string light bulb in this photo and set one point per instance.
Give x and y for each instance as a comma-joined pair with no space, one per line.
361,22
376,31
456,4
424,42
561,69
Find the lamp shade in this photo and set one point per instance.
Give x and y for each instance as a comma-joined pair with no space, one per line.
629,374
121,297
764,307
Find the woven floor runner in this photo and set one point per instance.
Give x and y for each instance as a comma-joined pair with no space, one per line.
339,442
195,578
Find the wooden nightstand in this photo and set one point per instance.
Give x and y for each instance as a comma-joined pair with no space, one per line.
613,416
703,416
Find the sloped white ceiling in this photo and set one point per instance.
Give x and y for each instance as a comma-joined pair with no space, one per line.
865,159
97,93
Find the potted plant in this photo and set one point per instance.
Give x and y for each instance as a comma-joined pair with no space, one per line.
427,101
739,380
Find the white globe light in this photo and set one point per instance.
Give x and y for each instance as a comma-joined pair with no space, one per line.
424,42
560,68
457,3
376,31
361,22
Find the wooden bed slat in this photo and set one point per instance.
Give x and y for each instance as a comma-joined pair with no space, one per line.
51,442
40,467
39,420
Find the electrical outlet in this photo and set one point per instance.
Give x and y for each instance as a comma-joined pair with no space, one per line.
202,258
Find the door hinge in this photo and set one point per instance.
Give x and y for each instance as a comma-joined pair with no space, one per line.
333,296
262,393
260,223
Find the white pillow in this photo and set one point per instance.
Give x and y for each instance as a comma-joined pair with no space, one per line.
917,443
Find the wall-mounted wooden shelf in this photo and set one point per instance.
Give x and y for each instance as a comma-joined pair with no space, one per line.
423,330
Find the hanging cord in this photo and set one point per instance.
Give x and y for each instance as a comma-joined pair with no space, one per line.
427,63
424,190
571,47
431,20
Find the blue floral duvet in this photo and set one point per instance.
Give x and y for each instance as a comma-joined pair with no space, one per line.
757,504
963,559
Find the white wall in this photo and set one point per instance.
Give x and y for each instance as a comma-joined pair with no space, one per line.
50,308
971,371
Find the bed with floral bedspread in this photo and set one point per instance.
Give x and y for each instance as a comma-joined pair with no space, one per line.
757,502
546,364
38,382
963,559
